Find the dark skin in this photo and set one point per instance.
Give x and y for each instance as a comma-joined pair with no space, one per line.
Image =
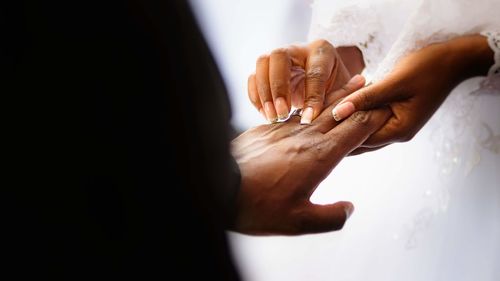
282,164
414,90
418,85
274,87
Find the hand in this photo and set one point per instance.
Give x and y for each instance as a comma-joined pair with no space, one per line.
296,76
282,164
417,86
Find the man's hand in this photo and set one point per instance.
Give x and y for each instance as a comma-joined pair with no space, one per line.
282,164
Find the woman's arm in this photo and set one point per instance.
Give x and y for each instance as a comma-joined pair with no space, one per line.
417,86
471,55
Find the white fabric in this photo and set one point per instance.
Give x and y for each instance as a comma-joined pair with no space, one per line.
385,30
425,210
494,43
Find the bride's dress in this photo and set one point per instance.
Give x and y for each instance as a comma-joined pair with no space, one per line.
428,209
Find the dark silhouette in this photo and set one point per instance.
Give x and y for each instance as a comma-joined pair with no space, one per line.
122,125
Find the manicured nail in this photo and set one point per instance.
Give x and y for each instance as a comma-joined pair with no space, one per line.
281,108
349,209
307,116
356,80
343,110
270,112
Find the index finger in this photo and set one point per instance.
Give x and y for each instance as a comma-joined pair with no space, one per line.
325,121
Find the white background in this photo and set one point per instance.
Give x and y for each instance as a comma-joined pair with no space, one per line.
405,227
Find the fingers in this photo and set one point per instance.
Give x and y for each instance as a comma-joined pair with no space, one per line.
355,83
352,132
253,94
263,89
323,218
386,135
383,137
400,128
279,76
373,96
325,122
278,86
394,130
319,66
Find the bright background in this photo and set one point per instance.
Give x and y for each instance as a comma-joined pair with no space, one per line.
238,32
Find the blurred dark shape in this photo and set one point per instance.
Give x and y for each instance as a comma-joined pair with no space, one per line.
118,132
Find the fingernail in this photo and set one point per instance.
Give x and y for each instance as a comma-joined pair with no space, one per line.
349,209
281,108
270,112
307,116
343,110
356,79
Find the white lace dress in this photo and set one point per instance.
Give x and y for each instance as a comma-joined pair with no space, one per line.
425,210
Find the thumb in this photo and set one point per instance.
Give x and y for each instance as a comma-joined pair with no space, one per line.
370,97
323,218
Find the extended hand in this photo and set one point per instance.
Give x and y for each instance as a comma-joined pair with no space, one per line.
417,86
282,164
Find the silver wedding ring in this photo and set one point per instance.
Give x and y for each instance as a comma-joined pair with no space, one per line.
296,112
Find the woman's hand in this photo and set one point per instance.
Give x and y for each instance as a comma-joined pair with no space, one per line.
282,164
300,77
417,86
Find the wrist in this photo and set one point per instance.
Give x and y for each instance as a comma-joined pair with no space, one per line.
471,56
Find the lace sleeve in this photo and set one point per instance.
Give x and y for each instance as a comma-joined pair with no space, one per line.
492,82
386,30
494,42
361,24
439,21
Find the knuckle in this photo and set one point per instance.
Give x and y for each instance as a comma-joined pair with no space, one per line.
314,146
299,147
316,74
262,59
279,52
263,90
366,99
321,150
279,86
315,98
323,43
361,117
324,47
403,131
